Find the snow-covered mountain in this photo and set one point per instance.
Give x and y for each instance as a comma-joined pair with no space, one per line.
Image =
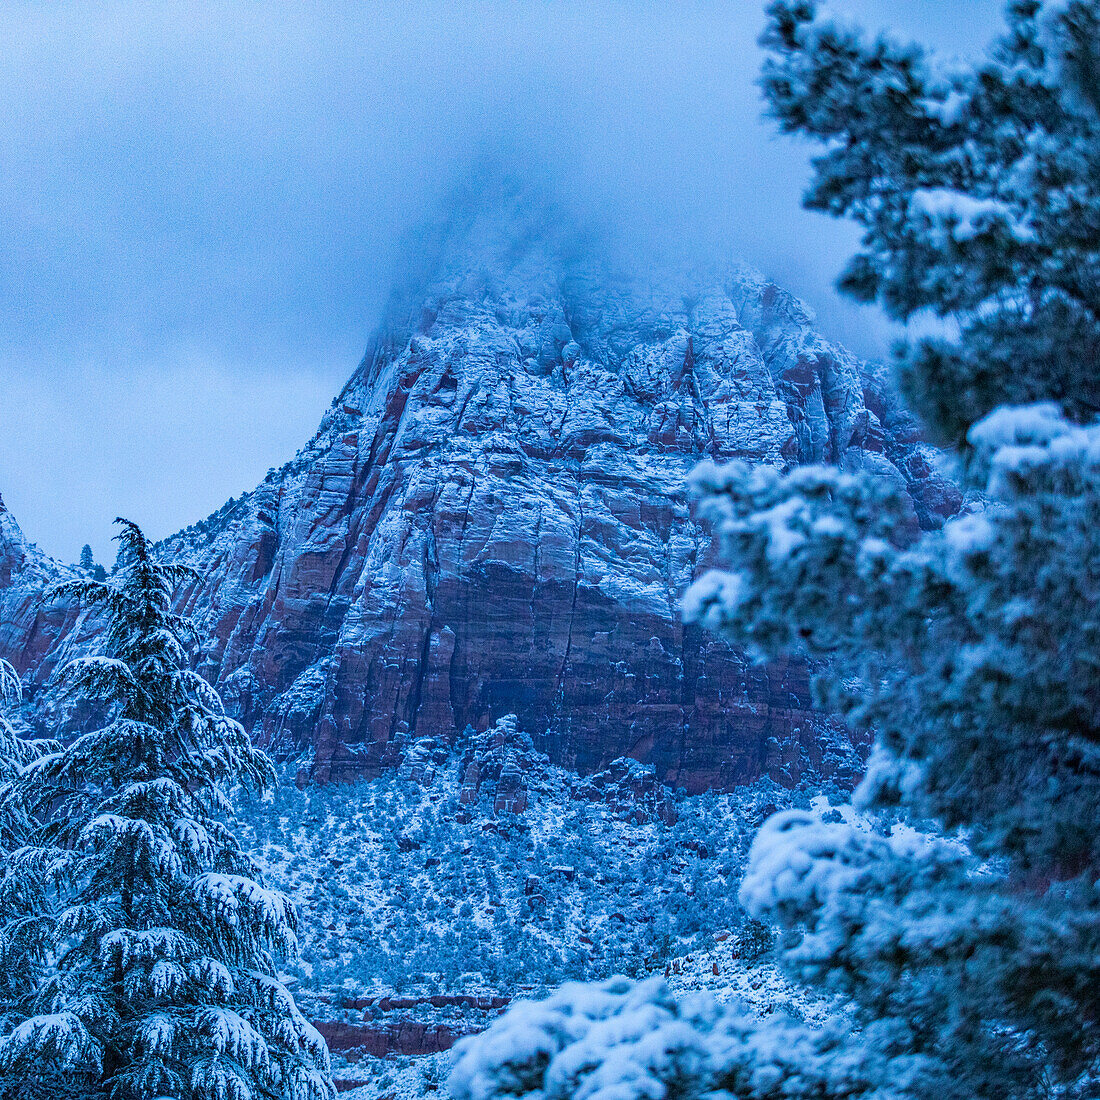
32,635
492,519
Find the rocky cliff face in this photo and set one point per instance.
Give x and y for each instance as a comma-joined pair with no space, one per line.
492,519
33,634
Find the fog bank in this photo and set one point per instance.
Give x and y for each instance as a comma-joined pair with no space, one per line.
202,206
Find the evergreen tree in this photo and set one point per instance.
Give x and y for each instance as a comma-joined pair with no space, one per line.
11,761
970,653
23,898
87,561
162,944
11,749
978,192
15,753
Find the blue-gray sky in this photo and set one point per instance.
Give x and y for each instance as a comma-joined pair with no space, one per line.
201,205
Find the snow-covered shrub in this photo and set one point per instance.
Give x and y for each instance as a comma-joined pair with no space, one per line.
755,941
623,1040
157,944
382,869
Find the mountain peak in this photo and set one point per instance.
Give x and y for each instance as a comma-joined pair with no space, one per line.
493,518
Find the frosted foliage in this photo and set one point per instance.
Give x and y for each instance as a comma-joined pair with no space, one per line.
60,1037
21,895
10,689
622,1040
977,189
14,752
986,628
970,654
143,946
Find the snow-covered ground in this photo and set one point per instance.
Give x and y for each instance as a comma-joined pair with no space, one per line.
410,890
405,889
759,986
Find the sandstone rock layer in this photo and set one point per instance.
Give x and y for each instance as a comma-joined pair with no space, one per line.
492,519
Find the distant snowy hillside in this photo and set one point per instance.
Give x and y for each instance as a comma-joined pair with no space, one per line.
434,896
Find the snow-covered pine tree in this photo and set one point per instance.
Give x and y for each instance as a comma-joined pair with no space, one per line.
978,192
11,747
23,898
163,943
971,653
11,761
15,753
87,559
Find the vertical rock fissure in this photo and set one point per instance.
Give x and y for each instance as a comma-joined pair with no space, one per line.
560,693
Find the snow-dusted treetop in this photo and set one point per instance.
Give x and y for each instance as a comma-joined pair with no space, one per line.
977,190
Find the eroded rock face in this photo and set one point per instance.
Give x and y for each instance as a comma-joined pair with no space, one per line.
630,790
492,519
34,634
405,1038
501,761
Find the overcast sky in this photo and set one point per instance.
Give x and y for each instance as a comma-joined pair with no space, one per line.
201,205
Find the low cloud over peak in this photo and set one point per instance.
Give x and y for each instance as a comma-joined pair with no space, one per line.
201,206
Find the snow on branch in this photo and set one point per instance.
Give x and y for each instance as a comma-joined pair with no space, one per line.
60,1040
